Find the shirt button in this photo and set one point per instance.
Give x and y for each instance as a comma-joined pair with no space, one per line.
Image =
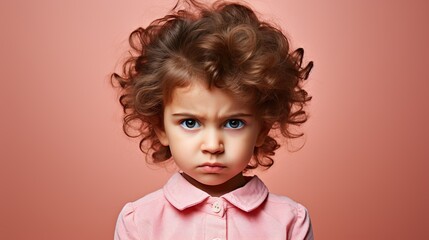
216,207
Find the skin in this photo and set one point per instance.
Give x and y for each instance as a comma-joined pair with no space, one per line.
211,136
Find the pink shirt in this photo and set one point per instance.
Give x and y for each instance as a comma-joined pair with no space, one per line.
182,211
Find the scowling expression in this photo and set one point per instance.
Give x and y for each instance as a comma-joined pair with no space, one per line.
211,136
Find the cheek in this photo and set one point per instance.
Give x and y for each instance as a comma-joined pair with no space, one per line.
182,145
242,154
241,148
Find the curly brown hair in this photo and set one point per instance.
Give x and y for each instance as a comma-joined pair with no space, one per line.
228,47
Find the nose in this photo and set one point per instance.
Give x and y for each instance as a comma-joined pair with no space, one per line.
212,142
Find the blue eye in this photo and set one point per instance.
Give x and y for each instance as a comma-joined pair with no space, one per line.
234,123
189,124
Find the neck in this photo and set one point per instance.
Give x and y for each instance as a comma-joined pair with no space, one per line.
218,190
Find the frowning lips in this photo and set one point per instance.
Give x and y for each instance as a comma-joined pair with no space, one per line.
212,167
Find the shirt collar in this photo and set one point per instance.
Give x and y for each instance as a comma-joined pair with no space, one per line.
181,194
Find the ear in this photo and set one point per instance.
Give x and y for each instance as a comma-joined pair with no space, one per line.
262,135
162,136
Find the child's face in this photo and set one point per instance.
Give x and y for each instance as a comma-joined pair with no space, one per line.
211,134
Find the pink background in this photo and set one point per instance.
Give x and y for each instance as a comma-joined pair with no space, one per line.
67,169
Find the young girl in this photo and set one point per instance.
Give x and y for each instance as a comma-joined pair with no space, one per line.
205,87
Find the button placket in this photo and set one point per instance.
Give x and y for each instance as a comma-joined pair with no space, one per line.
215,219
217,207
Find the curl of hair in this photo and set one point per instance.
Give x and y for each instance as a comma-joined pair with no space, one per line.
226,46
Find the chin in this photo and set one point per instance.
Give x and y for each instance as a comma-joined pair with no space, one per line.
211,180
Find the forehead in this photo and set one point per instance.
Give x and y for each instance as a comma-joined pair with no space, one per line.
198,97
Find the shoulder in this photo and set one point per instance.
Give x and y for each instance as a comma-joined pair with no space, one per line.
284,202
136,215
285,206
145,203
291,213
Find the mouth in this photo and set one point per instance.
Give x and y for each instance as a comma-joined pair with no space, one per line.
211,167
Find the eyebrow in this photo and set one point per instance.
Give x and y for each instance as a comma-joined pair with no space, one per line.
191,115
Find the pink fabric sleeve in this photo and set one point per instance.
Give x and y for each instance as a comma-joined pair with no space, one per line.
125,227
301,229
